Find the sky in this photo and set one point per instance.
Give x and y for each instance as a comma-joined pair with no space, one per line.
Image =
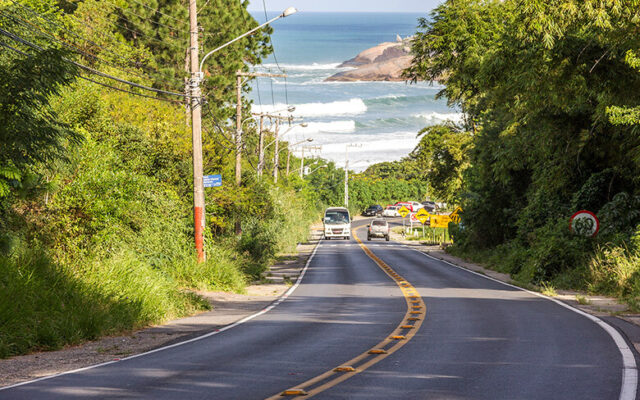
409,6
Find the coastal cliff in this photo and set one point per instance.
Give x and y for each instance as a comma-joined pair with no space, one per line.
384,62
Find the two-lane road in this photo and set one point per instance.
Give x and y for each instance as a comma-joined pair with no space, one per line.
478,339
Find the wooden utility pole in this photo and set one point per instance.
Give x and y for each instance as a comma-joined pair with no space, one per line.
288,158
239,76
238,129
261,147
346,173
302,158
275,156
196,133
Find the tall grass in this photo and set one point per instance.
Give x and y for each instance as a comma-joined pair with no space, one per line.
44,306
616,271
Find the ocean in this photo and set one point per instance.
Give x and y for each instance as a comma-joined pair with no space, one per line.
381,118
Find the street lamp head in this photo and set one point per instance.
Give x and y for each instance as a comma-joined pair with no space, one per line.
304,124
309,140
291,109
289,11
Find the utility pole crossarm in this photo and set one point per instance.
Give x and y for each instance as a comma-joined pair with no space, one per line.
273,116
260,74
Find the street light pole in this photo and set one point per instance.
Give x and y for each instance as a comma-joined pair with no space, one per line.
346,173
196,119
302,158
196,133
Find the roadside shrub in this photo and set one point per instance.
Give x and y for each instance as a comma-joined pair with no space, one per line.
616,271
44,306
222,271
554,250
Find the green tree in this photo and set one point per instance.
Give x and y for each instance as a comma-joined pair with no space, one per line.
31,136
443,156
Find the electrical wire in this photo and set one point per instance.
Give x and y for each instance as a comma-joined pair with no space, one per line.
257,80
273,99
89,69
59,26
213,121
275,58
96,82
143,18
66,44
266,18
158,11
111,38
144,68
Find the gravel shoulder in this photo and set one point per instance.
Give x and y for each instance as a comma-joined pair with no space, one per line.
227,308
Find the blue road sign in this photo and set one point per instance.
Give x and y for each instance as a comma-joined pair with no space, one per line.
212,180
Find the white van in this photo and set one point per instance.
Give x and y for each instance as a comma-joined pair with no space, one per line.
337,223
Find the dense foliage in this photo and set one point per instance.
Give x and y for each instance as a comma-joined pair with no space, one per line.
550,91
96,220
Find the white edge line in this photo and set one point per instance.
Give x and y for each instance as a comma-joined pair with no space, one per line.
629,370
206,335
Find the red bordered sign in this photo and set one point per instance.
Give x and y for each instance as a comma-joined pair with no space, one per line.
584,223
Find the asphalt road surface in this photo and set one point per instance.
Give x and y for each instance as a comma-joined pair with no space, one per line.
473,338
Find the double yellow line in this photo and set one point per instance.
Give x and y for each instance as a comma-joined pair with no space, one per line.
413,319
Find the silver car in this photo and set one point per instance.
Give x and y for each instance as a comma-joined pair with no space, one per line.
378,228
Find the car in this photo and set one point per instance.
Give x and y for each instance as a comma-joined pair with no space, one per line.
391,211
412,206
337,223
430,206
378,228
372,211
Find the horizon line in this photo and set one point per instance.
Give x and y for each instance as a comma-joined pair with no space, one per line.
348,12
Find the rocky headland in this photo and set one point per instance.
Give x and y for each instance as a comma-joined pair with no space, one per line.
384,62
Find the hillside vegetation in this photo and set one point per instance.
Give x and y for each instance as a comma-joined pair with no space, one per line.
96,223
551,95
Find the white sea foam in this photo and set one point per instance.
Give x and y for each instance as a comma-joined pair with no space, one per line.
371,151
314,128
438,118
336,108
303,67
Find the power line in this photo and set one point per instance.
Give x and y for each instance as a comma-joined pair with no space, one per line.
158,11
275,58
71,46
94,81
59,26
143,18
130,92
144,68
266,18
111,38
89,69
127,28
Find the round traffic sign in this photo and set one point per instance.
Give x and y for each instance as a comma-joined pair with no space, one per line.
584,223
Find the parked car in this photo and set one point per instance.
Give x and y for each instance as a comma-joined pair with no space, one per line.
378,228
430,206
391,211
337,223
413,206
372,211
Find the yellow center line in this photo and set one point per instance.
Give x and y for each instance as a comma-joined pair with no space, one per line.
400,336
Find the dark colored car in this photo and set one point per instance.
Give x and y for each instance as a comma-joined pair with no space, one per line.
371,211
429,206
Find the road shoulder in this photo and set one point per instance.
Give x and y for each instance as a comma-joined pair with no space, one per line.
227,308
603,307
